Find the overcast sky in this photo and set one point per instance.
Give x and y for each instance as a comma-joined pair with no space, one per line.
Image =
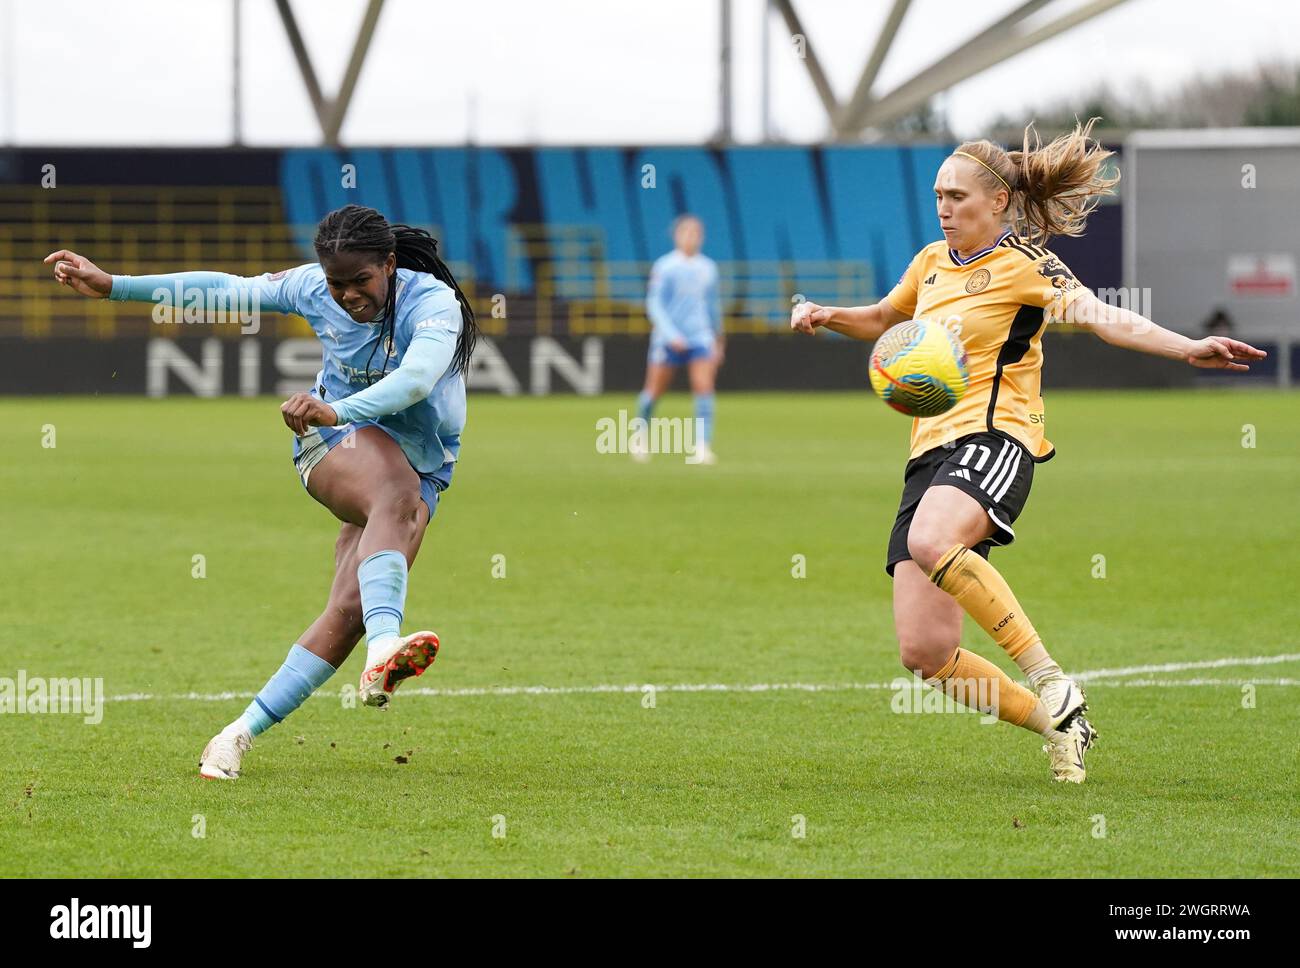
557,71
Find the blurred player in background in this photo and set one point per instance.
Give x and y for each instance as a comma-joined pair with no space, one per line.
376,442
970,469
685,309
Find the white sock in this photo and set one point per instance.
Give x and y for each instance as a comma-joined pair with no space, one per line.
377,649
1037,665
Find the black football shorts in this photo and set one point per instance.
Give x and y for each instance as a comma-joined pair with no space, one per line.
995,470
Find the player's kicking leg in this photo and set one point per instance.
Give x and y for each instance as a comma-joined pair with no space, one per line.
373,485
928,622
372,488
947,525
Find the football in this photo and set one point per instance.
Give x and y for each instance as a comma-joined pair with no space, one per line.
919,368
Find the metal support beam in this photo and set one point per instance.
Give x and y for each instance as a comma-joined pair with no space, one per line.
330,113
8,29
963,63
850,121
845,119
765,81
810,60
724,73
1013,17
359,51
236,80
304,61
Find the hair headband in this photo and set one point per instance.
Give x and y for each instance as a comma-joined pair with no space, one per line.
965,154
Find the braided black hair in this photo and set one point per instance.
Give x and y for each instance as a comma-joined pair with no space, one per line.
355,228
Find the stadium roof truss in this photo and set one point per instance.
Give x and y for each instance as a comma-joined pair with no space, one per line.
1004,38
330,112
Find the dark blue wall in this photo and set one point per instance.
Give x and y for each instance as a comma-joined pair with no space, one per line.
867,204
768,204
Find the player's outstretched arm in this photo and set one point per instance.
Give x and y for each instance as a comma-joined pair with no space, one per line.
275,292
1133,331
858,322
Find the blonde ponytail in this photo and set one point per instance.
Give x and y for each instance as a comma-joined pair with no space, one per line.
1054,187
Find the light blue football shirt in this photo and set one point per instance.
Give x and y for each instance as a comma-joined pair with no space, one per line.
683,301
428,316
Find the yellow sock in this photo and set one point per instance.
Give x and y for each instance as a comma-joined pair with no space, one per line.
986,597
974,681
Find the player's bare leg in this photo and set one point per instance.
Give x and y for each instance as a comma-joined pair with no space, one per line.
331,637
371,485
927,621
377,516
948,523
339,627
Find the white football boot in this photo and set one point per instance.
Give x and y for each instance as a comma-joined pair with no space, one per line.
1066,752
222,756
1061,696
703,455
639,448
400,659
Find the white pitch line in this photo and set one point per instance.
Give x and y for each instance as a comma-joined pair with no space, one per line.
1174,683
677,687
1096,677
1183,666
545,690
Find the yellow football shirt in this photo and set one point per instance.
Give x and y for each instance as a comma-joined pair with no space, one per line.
998,302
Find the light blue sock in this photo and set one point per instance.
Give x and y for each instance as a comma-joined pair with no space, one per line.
382,577
302,674
704,417
644,406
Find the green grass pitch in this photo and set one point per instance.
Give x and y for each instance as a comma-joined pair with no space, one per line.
621,575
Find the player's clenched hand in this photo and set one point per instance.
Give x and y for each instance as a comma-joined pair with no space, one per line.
807,316
303,411
80,274
1221,353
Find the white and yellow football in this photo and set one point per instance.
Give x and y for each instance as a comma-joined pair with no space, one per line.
919,368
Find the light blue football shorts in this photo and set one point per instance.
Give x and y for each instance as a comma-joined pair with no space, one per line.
310,449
